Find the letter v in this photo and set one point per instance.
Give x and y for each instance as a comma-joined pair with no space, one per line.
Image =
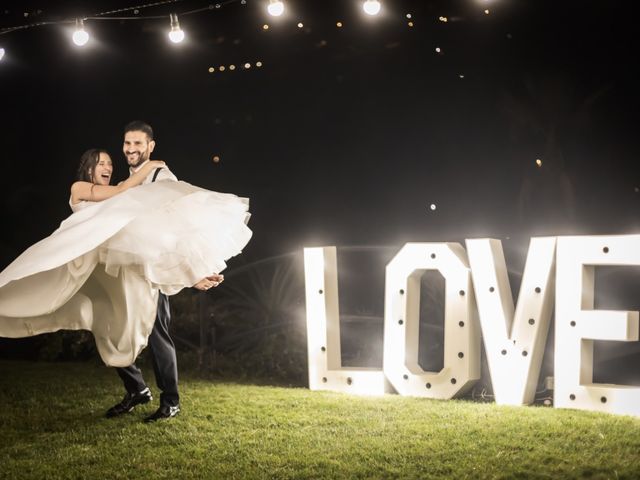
514,343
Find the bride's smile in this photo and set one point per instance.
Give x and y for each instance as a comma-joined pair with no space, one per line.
103,170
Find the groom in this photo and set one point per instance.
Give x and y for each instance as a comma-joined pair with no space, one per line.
137,148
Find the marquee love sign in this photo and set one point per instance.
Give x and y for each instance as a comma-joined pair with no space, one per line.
478,300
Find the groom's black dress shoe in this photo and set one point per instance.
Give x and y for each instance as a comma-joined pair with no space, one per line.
165,411
129,401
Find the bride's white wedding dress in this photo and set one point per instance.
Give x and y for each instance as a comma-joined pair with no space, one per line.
101,270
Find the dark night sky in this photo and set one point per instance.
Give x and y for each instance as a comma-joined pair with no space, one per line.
344,136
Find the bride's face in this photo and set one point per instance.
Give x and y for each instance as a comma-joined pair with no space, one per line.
103,170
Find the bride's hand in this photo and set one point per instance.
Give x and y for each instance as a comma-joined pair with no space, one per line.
157,163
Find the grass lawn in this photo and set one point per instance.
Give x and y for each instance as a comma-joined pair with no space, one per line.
53,426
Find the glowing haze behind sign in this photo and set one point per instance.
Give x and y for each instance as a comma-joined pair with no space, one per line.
514,337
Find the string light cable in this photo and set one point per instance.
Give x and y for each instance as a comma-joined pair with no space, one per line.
274,8
81,36
113,14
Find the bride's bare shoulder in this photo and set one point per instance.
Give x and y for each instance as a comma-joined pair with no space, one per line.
80,190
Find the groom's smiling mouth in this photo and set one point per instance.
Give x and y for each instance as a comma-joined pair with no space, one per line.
133,157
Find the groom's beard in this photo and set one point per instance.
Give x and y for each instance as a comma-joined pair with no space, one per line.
141,158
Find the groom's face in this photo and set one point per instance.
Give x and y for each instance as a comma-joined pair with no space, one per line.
137,148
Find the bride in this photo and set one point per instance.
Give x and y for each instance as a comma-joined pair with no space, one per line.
94,176
102,269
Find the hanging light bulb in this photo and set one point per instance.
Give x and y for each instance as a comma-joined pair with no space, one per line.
176,35
1,53
80,36
371,7
275,8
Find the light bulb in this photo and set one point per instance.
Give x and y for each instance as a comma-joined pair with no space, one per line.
1,53
80,36
275,8
371,7
176,35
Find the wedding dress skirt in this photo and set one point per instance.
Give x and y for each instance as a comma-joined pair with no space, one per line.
101,270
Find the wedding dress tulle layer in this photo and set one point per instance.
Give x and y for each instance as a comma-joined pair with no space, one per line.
101,270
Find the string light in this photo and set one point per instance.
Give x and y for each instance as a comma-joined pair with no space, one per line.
432,207
438,50
443,19
486,11
371,7
176,35
538,163
232,67
80,36
275,8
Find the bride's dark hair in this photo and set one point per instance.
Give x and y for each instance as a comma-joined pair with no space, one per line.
88,161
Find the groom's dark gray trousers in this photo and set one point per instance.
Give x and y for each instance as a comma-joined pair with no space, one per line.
163,356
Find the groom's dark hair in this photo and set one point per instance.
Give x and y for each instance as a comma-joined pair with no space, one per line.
139,126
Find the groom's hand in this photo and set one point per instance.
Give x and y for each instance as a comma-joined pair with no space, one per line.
210,281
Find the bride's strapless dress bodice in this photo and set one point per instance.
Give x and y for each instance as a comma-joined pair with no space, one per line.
76,207
101,270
